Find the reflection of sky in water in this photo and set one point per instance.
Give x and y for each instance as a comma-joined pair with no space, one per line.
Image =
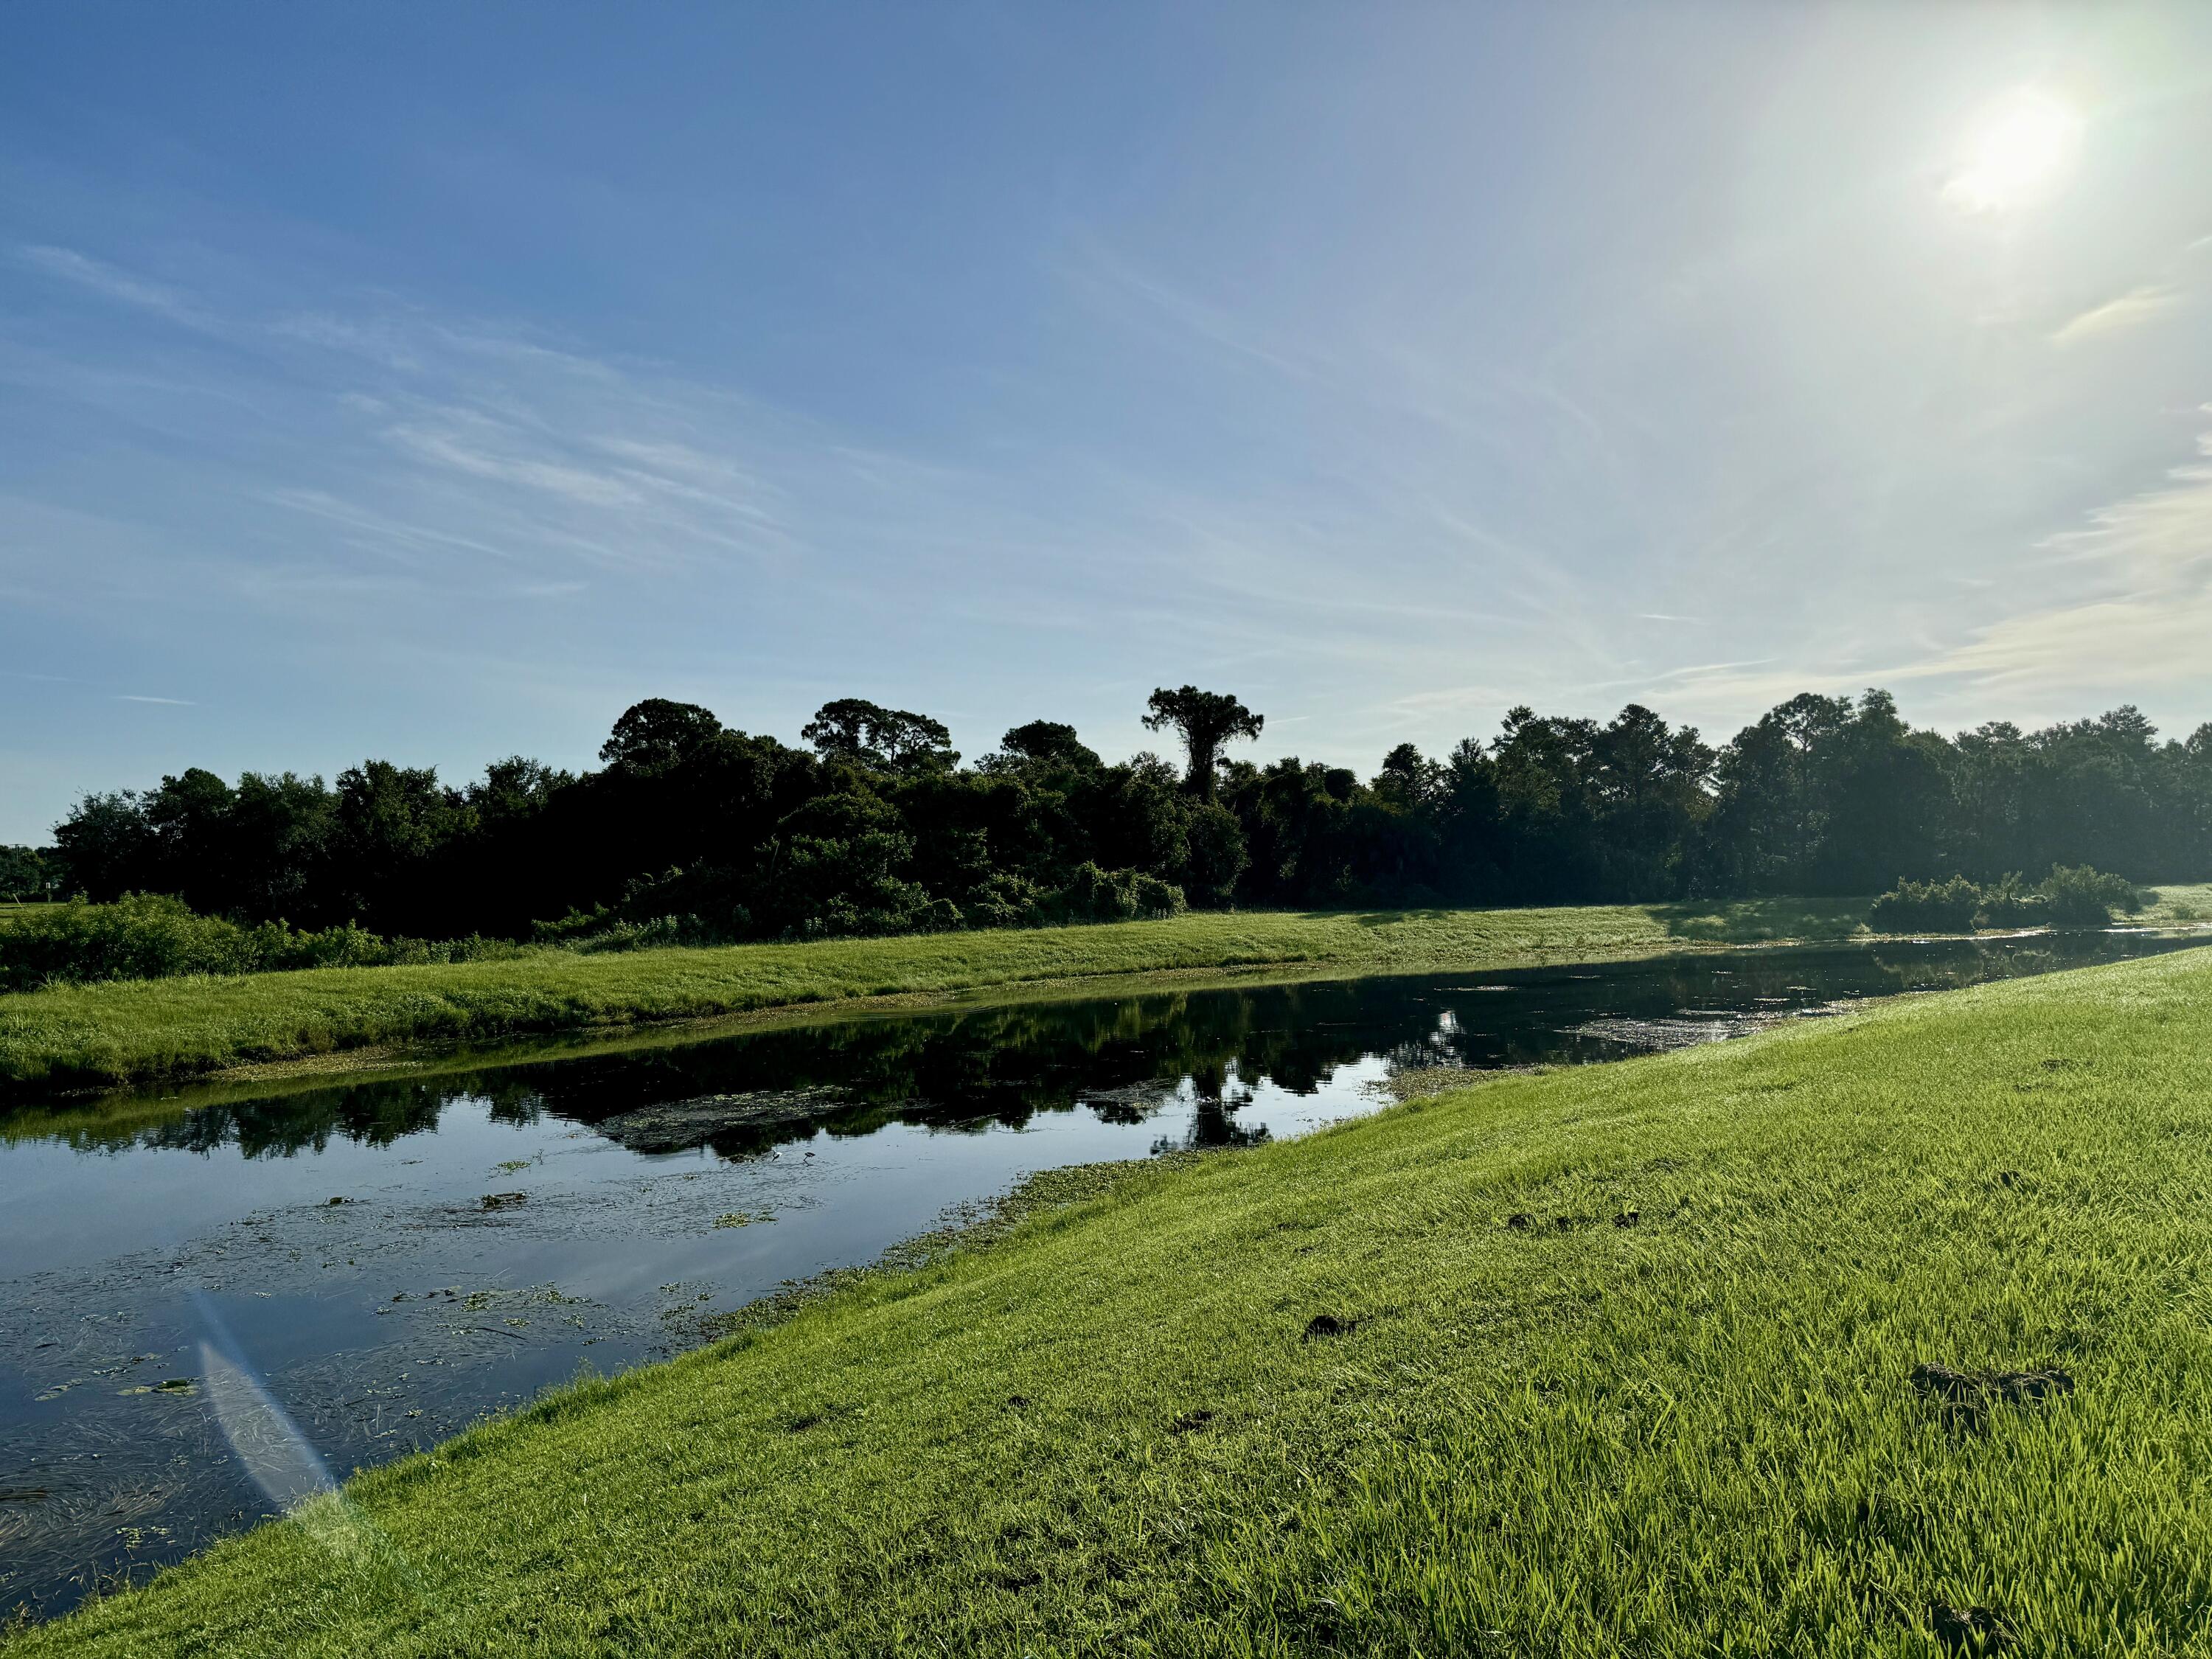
396,1317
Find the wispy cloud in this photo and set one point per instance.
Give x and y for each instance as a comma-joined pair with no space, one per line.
2146,563
1110,279
384,452
110,282
464,451
172,702
2130,310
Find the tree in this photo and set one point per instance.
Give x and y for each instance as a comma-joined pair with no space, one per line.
1049,742
387,820
1407,781
190,817
657,733
881,740
1204,721
26,875
106,847
515,788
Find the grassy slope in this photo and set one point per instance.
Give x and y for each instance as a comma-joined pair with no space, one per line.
2190,901
1693,1436
146,1028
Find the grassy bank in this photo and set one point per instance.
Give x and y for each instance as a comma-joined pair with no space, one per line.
134,1032
1323,1397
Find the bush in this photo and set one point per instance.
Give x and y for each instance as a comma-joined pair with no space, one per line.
2011,902
1944,907
588,932
1157,899
2068,897
2079,896
151,936
1096,895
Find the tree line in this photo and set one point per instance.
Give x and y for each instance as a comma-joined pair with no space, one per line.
873,824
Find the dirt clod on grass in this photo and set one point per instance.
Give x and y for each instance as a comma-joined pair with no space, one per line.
1627,1218
1518,1221
1323,1325
1191,1422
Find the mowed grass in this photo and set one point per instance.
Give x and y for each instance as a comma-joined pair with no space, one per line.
143,1029
1111,1432
2188,902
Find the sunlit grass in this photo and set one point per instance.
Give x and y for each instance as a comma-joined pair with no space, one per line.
1111,1432
2188,903
134,1030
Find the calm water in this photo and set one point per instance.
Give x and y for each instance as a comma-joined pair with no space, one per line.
204,1319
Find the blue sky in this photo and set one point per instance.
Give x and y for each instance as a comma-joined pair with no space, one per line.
434,382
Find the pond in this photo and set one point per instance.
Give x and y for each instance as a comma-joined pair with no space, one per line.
206,1315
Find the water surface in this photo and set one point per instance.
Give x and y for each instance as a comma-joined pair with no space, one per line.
202,1319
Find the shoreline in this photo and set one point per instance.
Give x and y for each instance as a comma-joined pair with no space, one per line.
74,1044
1227,1385
429,1055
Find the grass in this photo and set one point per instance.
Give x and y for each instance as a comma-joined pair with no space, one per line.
1115,1430
139,1030
2191,902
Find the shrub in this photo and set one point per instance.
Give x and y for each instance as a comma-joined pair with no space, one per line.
1157,899
589,932
151,936
1003,899
1096,895
2079,896
1940,907
2011,902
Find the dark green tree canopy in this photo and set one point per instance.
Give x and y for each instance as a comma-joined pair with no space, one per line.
881,740
27,875
1204,721
696,831
1048,741
657,733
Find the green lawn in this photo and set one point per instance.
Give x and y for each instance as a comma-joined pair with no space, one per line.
141,1029
1113,1431
2188,903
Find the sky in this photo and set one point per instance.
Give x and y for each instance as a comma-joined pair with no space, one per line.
434,382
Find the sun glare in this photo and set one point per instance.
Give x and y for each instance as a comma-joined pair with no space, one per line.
2016,155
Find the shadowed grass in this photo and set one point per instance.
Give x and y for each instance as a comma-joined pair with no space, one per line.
138,1030
1119,1429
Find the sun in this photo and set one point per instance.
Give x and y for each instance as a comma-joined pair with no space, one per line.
2016,155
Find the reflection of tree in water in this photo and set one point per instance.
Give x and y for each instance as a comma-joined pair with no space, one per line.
1124,1058
1213,1126
375,1114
